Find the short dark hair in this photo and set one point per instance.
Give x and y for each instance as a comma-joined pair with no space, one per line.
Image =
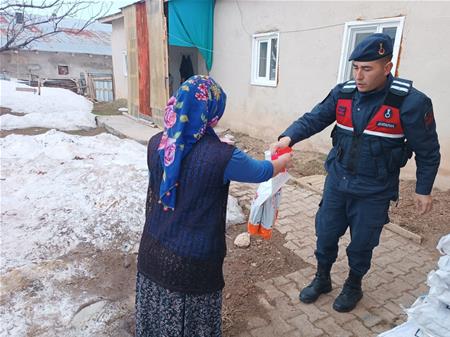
386,59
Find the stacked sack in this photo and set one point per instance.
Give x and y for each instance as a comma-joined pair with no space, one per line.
432,312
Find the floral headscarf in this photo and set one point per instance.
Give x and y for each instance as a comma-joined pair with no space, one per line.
197,104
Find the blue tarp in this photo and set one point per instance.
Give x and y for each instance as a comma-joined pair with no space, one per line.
191,24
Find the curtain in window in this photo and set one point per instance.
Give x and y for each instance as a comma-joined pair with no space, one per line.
191,24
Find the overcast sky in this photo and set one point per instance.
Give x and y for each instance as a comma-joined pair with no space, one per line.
116,5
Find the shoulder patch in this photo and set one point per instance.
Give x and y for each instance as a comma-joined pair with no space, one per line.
348,86
429,119
400,86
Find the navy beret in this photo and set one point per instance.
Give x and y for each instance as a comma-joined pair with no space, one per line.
372,48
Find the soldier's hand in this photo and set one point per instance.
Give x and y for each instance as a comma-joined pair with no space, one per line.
423,203
281,144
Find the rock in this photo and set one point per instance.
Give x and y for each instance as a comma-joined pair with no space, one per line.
229,139
229,136
135,249
127,261
87,313
234,212
242,240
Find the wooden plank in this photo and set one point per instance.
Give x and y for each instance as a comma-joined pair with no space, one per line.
129,14
404,232
159,75
143,59
33,90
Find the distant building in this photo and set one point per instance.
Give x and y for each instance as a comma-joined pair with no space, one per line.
63,56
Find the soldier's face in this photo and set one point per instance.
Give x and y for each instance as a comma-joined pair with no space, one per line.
371,75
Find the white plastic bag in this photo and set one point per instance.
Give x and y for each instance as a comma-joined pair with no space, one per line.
264,208
444,245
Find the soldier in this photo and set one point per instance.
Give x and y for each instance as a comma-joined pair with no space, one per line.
380,121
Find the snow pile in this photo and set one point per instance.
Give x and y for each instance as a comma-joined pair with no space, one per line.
54,108
60,193
429,316
59,190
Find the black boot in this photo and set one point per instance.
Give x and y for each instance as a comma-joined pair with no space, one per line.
350,295
320,285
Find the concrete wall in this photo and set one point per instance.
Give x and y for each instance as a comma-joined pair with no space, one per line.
45,64
119,47
309,61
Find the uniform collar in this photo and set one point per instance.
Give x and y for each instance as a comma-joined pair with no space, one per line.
381,91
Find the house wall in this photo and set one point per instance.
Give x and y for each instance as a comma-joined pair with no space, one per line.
45,64
119,47
309,61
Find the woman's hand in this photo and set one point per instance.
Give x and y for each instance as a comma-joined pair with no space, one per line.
282,163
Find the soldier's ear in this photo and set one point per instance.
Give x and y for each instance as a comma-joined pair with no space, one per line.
388,67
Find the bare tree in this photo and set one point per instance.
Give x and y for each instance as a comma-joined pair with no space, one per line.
23,21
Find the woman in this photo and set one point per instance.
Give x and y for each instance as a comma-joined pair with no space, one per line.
180,280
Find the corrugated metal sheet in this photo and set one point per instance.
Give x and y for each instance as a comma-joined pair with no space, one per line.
95,39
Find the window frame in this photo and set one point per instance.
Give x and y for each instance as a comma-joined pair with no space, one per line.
256,40
379,24
60,67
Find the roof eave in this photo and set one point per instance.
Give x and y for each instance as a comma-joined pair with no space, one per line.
110,18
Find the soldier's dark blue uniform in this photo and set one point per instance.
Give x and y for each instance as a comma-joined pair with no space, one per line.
372,140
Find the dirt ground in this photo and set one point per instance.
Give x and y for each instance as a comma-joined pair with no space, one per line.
430,226
109,108
264,259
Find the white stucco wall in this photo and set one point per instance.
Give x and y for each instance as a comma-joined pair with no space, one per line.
119,46
309,61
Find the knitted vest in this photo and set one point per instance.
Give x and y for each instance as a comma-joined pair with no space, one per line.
183,250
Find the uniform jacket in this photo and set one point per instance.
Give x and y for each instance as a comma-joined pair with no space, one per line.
376,172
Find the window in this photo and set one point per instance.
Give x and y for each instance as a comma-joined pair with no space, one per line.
63,70
355,32
265,59
125,63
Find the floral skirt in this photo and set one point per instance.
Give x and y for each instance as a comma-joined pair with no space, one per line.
164,313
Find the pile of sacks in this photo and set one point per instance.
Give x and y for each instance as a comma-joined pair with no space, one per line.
429,316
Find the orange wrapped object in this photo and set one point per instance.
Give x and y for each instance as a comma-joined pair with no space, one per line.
264,208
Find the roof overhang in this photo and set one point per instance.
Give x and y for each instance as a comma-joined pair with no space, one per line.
110,18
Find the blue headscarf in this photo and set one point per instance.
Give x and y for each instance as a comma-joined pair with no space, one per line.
197,104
